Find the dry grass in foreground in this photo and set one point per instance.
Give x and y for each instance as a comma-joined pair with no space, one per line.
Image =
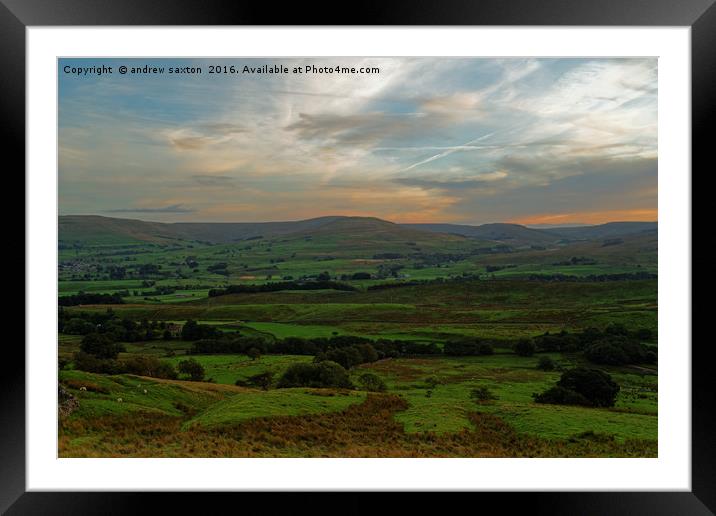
367,429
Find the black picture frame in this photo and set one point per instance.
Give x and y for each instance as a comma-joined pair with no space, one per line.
700,15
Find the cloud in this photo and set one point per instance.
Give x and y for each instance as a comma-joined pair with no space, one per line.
209,180
174,208
479,181
202,135
189,142
360,128
460,139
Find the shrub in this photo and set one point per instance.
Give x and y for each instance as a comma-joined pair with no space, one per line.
261,380
481,394
92,364
618,350
432,382
144,365
525,348
346,357
545,364
560,396
604,352
371,382
192,368
323,374
78,326
467,347
254,353
597,386
100,345
485,349
582,386
194,331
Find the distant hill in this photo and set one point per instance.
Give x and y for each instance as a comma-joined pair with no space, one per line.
516,234
111,231
513,234
98,230
608,230
373,228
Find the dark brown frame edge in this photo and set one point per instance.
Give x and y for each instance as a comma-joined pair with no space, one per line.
16,15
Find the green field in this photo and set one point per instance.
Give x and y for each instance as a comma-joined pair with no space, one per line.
469,289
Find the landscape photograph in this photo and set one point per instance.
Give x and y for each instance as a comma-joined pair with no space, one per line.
357,257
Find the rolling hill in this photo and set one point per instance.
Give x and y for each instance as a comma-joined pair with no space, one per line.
98,230
512,234
608,230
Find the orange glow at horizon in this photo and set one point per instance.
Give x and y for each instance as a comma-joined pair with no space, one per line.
590,217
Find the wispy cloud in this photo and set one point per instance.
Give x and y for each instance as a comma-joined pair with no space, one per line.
174,208
444,139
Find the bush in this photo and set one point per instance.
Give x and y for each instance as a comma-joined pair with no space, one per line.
485,349
261,380
560,396
254,353
371,382
619,350
467,347
546,364
194,331
481,394
92,364
100,345
597,386
192,368
525,348
78,326
581,386
432,382
323,374
604,352
144,365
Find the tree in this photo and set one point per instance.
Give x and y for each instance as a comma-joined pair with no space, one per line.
525,348
254,354
194,331
100,345
582,386
262,380
192,368
485,349
597,386
371,382
560,396
323,374
190,330
605,352
145,365
545,364
78,326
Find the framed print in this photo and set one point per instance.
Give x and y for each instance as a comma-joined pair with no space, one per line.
417,253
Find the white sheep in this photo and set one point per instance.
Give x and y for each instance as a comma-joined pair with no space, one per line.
83,388
145,391
119,400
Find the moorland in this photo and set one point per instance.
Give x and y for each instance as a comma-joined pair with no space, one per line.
356,337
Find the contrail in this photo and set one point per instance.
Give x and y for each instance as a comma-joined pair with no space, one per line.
446,153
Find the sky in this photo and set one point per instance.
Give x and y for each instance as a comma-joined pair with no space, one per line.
454,140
